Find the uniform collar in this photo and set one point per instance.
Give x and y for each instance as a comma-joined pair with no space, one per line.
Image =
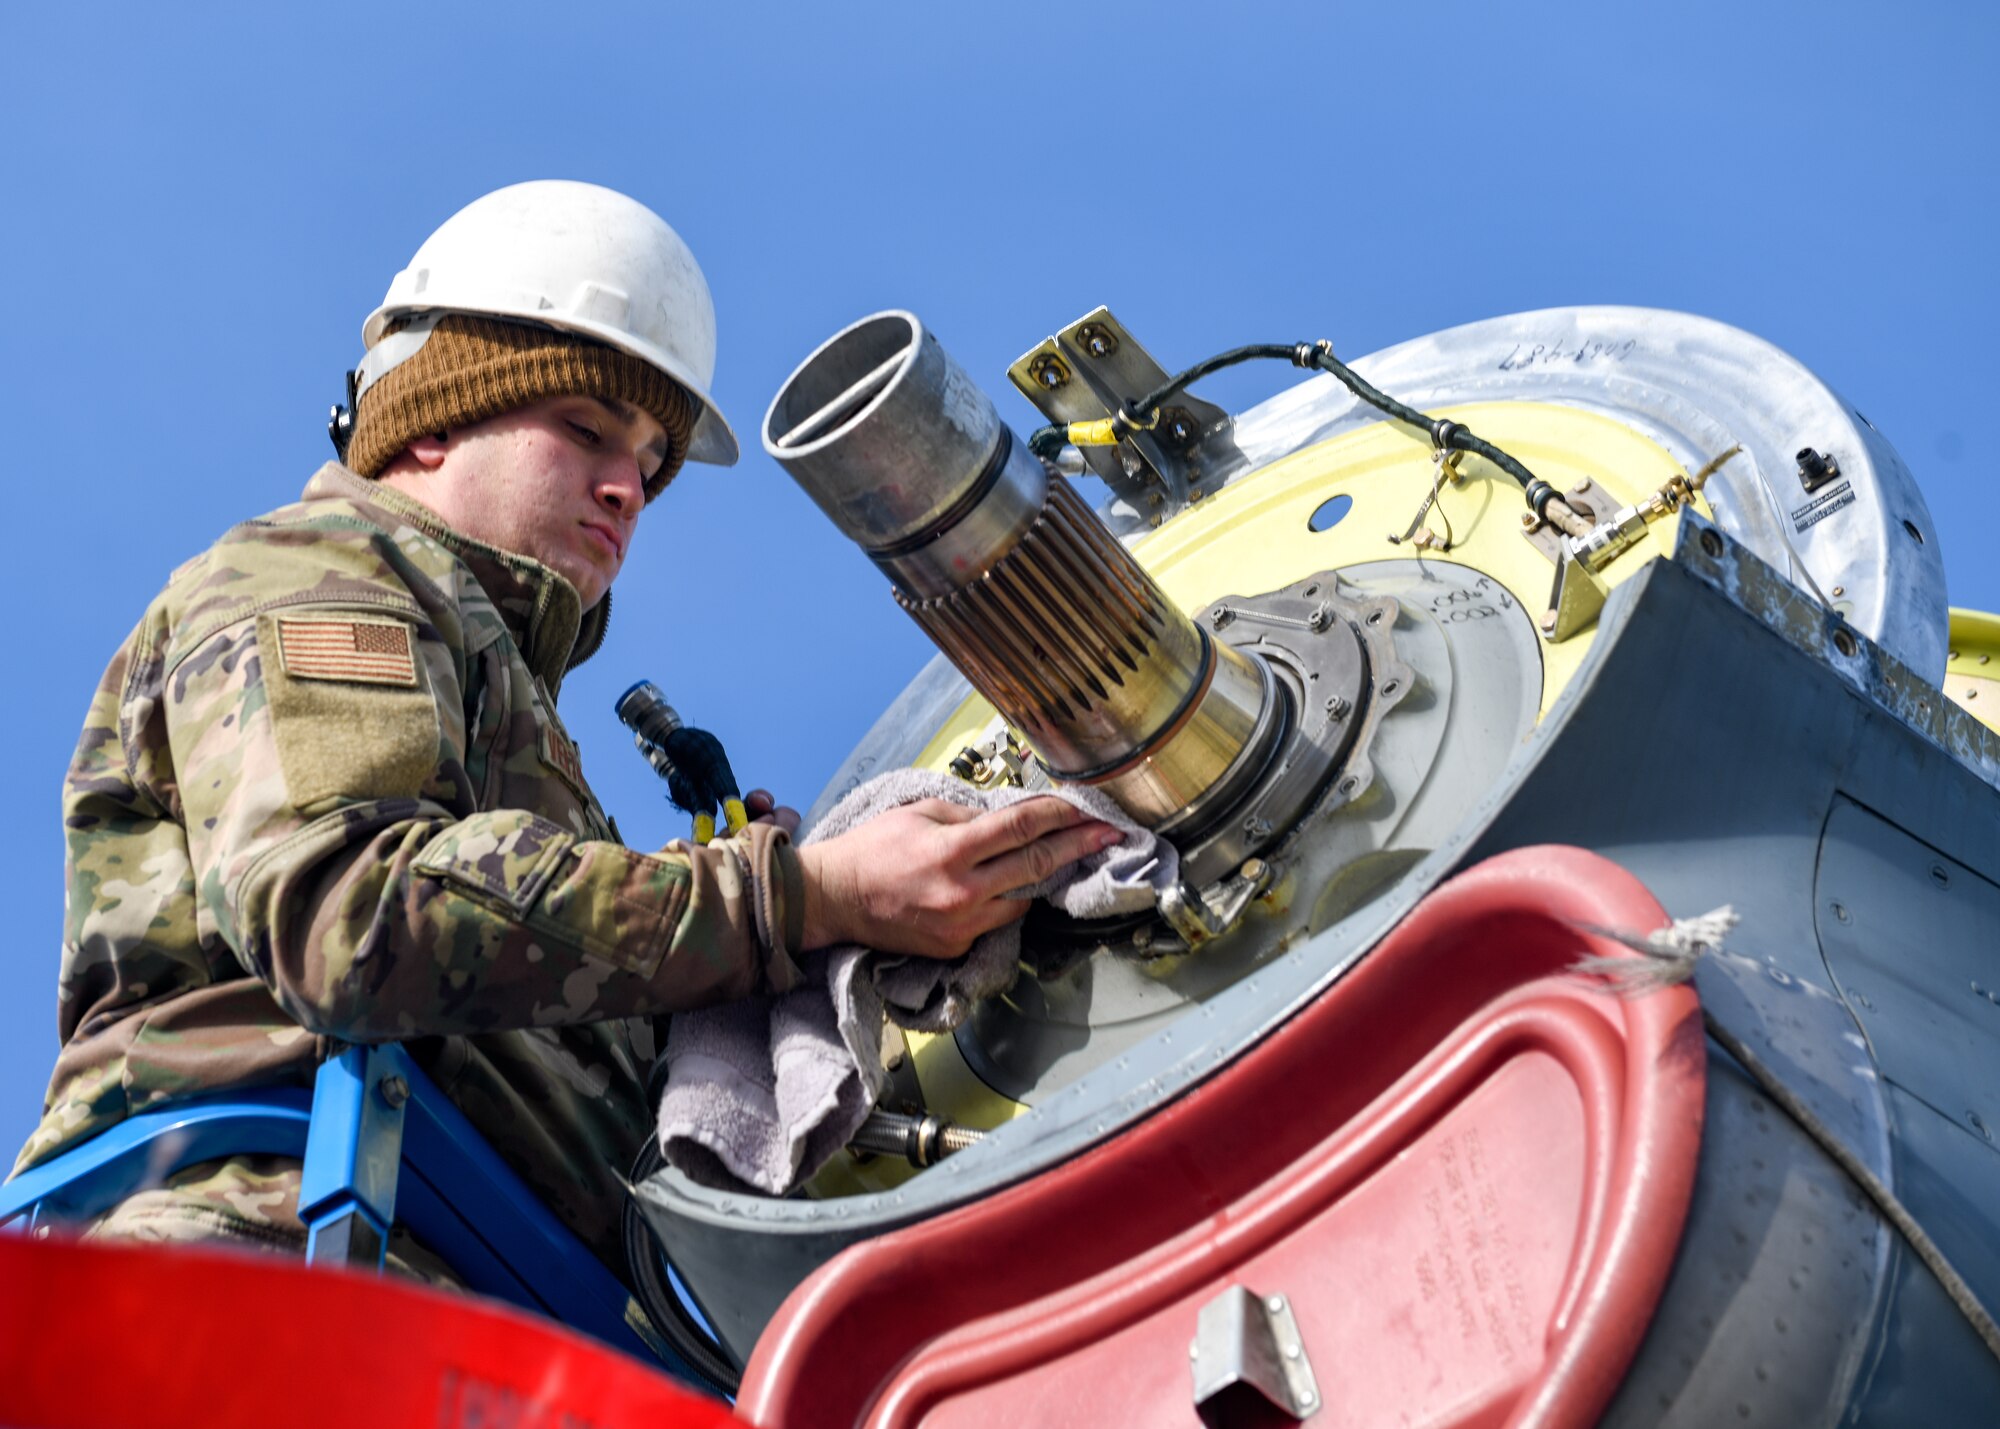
542,610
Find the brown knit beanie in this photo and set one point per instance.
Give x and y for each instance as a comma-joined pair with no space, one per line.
473,368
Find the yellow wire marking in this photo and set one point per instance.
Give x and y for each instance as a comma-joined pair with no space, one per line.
734,815
1101,433
704,827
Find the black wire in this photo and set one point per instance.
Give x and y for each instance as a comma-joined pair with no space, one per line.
1149,403
646,1258
1452,436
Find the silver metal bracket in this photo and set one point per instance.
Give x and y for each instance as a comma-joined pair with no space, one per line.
1088,372
1249,1359
1199,915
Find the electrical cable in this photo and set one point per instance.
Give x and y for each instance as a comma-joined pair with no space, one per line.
1143,414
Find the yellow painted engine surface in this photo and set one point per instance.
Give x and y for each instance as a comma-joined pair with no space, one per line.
1255,536
1972,666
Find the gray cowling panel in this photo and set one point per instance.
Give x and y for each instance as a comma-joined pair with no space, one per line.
1768,1316
1776,725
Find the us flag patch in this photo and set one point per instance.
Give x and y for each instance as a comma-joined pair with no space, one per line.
361,652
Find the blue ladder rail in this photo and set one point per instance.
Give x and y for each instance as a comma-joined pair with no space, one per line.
380,1144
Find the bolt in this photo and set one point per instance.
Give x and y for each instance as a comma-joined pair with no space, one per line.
1256,830
1049,371
1529,520
1840,912
1549,623
1252,870
1839,590
1221,616
1583,485
1349,785
42,1232
1097,340
1337,707
394,1091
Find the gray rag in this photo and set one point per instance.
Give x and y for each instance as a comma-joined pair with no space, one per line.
763,1092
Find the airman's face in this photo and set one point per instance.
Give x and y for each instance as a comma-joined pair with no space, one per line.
562,481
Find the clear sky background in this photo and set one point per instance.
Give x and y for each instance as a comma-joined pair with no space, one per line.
202,202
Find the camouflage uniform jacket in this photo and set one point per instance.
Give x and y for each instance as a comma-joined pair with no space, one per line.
323,796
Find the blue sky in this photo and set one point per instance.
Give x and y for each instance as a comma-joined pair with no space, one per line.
206,200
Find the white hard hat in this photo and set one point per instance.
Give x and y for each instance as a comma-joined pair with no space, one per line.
573,256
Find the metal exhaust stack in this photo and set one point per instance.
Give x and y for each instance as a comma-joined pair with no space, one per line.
1017,581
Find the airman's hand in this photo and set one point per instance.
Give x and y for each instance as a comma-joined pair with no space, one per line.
930,877
764,808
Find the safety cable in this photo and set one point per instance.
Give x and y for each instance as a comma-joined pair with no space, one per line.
1144,414
1871,1185
1669,956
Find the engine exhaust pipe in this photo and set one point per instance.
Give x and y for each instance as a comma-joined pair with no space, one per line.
1017,581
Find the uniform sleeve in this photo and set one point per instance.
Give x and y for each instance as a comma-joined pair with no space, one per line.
337,852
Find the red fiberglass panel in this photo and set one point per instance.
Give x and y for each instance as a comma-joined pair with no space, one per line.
1465,1168
120,1336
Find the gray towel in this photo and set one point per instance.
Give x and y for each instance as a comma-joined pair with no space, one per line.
761,1093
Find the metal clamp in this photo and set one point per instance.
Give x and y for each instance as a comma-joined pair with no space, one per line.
1249,1359
1094,370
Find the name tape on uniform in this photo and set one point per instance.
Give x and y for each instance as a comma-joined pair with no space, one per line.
362,652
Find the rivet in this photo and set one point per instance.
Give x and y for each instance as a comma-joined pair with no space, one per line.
1840,590
1275,1304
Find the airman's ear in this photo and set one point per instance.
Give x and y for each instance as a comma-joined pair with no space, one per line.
429,450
